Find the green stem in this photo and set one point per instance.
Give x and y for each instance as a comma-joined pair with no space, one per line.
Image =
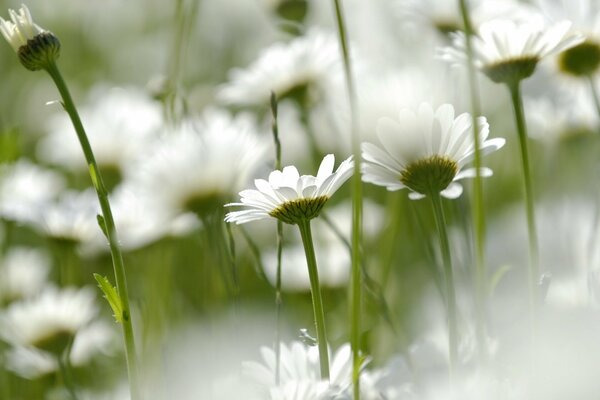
594,91
355,286
440,222
304,226
480,276
534,268
111,232
278,293
64,366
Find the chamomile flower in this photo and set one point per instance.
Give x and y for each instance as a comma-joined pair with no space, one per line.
198,168
302,68
23,273
21,29
290,197
50,320
37,48
25,187
508,51
583,59
299,374
425,151
121,124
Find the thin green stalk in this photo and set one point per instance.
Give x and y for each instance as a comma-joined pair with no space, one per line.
109,225
594,91
534,267
64,367
480,276
278,294
305,232
440,221
355,286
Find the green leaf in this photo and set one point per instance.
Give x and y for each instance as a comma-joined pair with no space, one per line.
102,224
111,295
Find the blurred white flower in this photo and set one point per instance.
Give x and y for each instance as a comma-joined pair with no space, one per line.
141,221
290,197
508,51
72,217
92,340
25,187
583,59
444,15
426,151
23,273
305,66
299,373
200,167
49,320
120,123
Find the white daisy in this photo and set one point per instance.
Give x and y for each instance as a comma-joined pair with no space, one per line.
583,59
290,197
426,151
121,124
25,187
49,320
198,168
72,217
36,48
23,273
304,66
21,29
299,373
508,51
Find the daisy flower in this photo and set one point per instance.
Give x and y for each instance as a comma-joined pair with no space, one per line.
508,51
199,167
300,371
121,124
426,151
584,58
25,187
302,69
290,197
21,29
50,320
23,273
36,48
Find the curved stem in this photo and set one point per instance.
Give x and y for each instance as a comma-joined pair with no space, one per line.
110,230
480,276
304,226
534,268
356,284
440,222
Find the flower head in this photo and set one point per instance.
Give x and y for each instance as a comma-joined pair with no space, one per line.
36,47
426,151
290,197
301,69
508,51
50,320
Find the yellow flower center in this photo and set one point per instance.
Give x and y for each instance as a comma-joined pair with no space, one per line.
429,175
292,212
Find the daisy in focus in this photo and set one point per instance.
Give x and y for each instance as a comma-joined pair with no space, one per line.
425,151
508,51
289,197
